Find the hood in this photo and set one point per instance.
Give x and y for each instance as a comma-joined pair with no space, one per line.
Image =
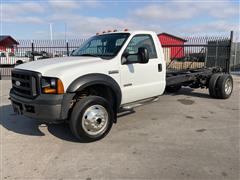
55,66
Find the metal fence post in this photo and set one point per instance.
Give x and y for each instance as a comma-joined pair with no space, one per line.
33,58
228,60
67,49
216,54
206,54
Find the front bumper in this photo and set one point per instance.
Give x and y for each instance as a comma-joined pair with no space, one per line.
45,107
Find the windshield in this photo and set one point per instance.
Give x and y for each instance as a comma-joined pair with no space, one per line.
105,46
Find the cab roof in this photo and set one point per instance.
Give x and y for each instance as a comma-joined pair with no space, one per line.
130,32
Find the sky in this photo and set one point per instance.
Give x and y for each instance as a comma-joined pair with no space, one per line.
31,19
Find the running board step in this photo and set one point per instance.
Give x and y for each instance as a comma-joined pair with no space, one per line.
131,106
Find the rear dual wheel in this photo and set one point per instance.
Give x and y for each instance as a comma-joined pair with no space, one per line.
220,86
212,86
224,86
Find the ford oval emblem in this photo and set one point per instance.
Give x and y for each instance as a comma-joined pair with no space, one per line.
18,83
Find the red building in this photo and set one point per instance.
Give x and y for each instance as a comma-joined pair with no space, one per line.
7,43
170,42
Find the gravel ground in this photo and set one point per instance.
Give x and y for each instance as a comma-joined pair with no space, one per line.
187,135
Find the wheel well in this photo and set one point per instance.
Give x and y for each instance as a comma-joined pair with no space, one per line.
19,61
99,90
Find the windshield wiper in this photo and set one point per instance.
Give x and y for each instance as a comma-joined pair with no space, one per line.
89,55
92,55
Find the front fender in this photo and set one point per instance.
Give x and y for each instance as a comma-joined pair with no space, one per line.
93,79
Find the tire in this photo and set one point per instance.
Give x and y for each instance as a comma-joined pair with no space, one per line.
88,115
224,86
212,85
174,88
19,62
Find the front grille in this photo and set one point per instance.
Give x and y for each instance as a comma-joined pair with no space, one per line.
24,83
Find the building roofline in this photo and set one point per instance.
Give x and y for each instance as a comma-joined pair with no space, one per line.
172,36
8,36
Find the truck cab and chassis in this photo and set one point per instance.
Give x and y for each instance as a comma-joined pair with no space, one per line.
108,74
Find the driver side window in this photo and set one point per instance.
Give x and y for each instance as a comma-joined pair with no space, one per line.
138,41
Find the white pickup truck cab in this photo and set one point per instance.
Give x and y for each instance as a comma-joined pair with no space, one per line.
102,77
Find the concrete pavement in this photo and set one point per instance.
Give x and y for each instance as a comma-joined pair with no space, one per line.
187,135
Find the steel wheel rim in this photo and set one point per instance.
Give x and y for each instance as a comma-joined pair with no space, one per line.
228,87
95,120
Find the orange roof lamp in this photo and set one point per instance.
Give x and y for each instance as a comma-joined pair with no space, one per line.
108,31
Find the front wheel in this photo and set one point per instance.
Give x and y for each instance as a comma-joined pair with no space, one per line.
91,118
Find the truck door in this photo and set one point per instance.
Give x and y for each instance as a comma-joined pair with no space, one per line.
141,81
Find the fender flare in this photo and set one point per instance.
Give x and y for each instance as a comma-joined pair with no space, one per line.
93,79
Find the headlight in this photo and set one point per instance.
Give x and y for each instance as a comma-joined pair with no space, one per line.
51,85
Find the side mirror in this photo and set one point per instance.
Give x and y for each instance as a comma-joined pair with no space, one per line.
124,58
143,55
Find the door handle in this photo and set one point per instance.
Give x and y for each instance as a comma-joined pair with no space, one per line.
159,67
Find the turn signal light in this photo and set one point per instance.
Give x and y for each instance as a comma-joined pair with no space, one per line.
59,89
49,90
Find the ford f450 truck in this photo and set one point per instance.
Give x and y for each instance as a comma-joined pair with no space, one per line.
109,73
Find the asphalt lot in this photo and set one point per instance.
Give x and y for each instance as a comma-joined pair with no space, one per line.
182,136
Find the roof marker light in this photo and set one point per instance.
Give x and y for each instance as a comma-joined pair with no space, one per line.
125,29
114,30
109,31
104,32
